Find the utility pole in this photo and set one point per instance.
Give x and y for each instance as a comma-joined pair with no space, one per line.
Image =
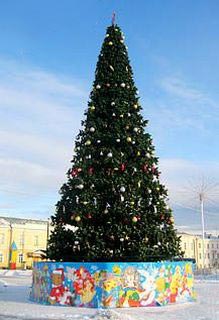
10,243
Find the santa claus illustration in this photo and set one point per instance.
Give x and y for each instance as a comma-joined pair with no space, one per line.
59,293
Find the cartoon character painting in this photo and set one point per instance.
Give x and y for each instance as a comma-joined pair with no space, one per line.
36,284
187,292
84,286
129,295
147,294
162,285
111,286
175,284
44,283
114,285
59,293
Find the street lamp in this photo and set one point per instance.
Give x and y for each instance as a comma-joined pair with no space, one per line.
201,198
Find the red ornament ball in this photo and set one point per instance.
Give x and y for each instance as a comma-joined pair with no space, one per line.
74,172
123,167
145,168
91,170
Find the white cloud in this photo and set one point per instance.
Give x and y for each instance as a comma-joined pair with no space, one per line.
39,147
27,174
177,87
181,104
40,113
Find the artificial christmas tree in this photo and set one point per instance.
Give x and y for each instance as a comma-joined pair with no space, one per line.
113,207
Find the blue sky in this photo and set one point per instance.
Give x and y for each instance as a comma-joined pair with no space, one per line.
48,53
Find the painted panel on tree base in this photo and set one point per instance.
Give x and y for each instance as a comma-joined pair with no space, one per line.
110,285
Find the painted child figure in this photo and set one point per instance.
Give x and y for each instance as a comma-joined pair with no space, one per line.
129,295
59,293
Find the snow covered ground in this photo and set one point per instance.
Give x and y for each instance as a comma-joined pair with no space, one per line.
14,304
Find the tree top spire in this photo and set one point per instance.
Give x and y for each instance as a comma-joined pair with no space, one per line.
113,18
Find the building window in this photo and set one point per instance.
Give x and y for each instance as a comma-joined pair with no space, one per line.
208,245
21,240
2,238
21,257
200,256
217,246
199,245
212,245
185,245
36,241
212,255
208,255
1,257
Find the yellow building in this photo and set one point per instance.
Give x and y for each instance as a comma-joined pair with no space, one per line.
22,241
188,245
204,251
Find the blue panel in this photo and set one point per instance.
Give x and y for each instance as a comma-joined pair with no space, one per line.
110,285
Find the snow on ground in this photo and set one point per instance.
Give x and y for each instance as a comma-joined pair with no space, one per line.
14,304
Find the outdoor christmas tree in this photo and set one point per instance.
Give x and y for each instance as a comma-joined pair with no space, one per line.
113,207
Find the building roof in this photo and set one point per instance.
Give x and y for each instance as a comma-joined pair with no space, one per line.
13,220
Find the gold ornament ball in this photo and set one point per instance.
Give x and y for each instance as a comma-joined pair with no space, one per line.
135,106
132,203
171,219
77,218
129,139
138,153
92,108
110,43
146,239
134,219
88,143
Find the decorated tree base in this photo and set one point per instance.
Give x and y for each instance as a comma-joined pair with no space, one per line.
112,285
